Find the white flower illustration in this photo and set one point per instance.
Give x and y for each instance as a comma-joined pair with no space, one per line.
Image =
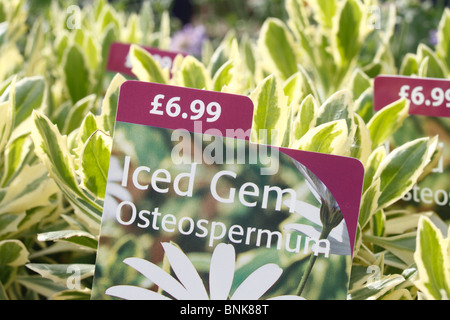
338,237
114,190
338,234
189,285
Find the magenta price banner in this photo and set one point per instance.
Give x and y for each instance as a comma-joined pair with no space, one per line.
428,97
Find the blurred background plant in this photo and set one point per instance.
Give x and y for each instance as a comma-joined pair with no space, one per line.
57,105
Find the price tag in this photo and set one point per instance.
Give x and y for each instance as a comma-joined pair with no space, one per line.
175,107
194,208
119,59
429,116
429,97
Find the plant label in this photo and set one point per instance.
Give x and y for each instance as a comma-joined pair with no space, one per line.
429,116
194,210
428,97
119,59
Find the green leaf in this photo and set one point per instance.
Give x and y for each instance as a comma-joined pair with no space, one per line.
44,287
77,77
359,83
277,47
92,49
329,138
95,162
271,112
191,73
59,273
29,94
223,76
348,37
6,122
82,239
108,17
109,104
72,295
9,223
361,147
386,121
77,113
87,128
305,118
109,36
52,149
410,65
325,10
336,107
376,289
13,253
30,188
369,203
403,246
401,169
435,68
443,37
298,86
371,167
433,261
14,157
145,67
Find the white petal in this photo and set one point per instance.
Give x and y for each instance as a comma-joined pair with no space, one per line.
310,212
158,276
115,170
310,231
186,273
221,271
336,246
116,190
258,283
134,293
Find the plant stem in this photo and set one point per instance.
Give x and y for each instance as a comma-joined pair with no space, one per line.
312,260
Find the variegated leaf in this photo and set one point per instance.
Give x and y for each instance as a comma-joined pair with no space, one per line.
369,203
94,163
191,73
348,31
7,116
52,149
30,188
361,147
386,121
377,288
305,118
77,74
433,261
277,47
271,113
145,67
82,239
330,138
443,37
13,253
15,155
60,273
400,170
109,104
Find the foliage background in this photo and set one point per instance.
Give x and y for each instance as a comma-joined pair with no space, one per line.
57,114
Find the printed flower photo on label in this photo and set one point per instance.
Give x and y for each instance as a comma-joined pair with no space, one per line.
192,216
